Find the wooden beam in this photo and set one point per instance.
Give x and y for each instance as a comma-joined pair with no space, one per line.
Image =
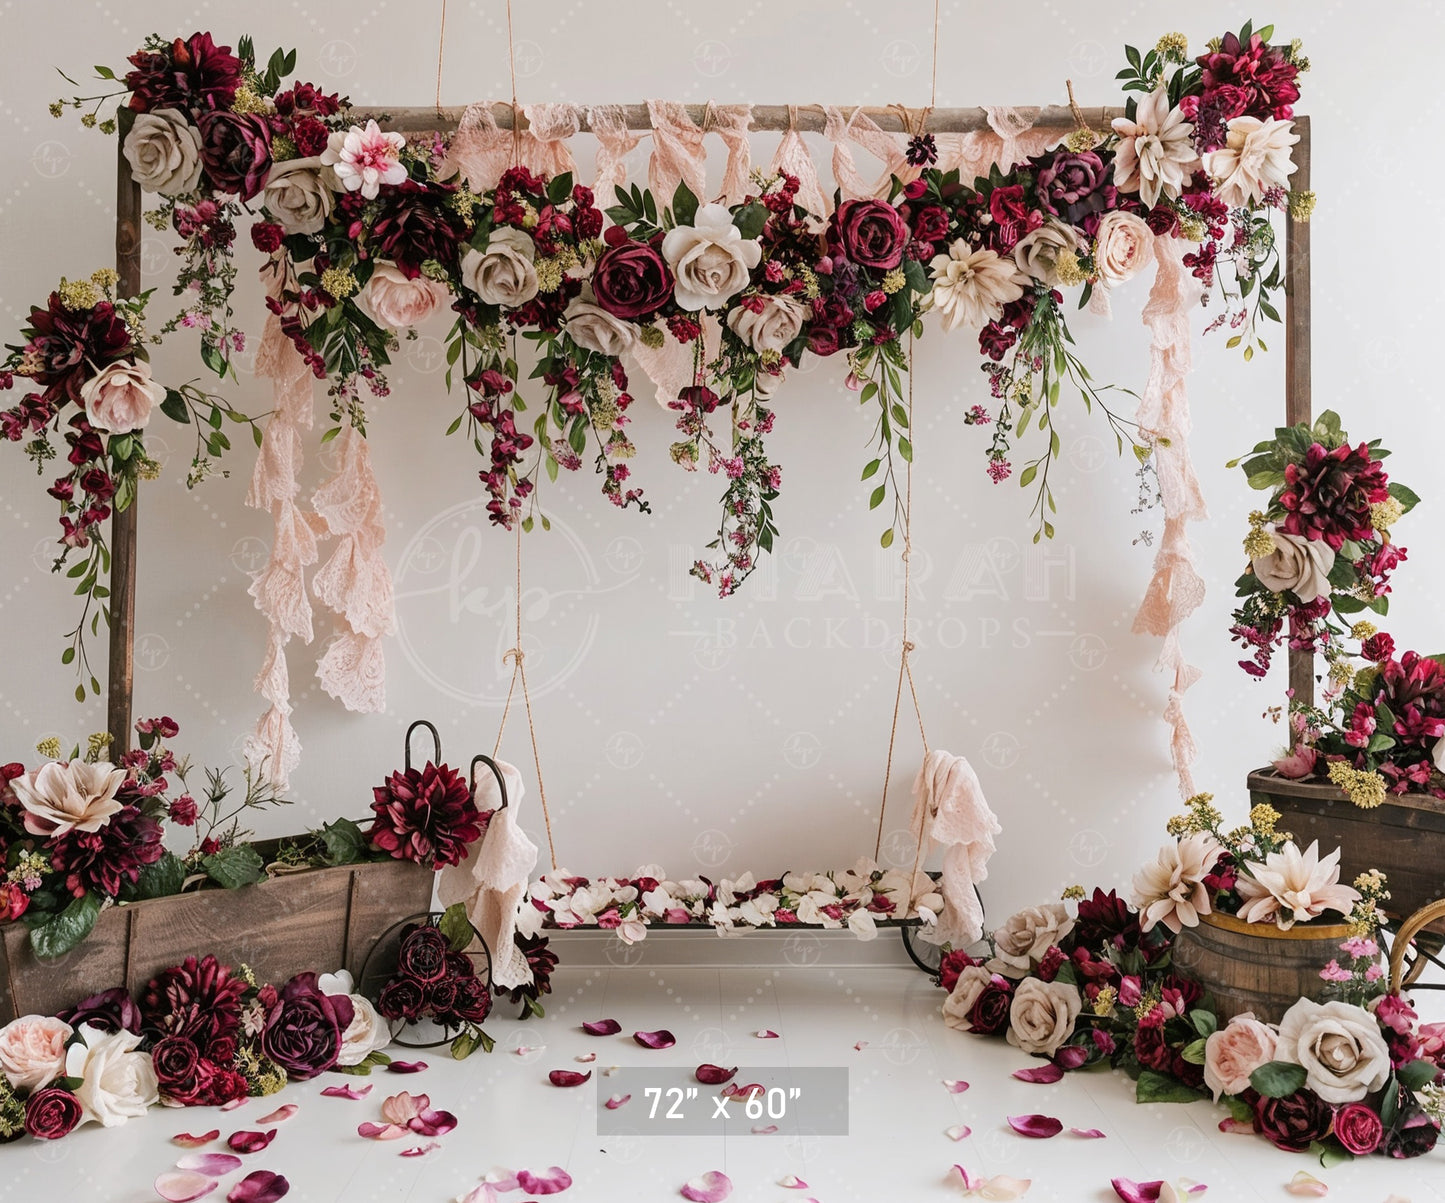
1297,401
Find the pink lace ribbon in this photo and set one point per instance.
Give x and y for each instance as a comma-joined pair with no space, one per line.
679,153
1176,589
480,150
792,157
614,143
864,132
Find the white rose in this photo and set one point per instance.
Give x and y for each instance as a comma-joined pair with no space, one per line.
710,259
1042,1014
298,194
773,327
1122,246
396,303
32,1050
1037,252
594,329
118,1082
505,272
164,151
120,397
971,982
1298,564
1024,938
1340,1047
1255,157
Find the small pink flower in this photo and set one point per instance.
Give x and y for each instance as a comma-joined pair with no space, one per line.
1333,973
364,158
1374,973
999,470
1360,947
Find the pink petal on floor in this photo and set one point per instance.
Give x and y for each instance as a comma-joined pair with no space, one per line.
734,1090
433,1123
1307,1185
181,1186
602,1027
213,1165
251,1142
553,1182
656,1040
187,1141
793,1182
260,1186
348,1092
714,1075
567,1077
1001,1186
586,1058
765,1129
523,1049
380,1131
1040,1127
1137,1192
406,1067
766,1034
502,1180
234,1103
958,1132
616,1101
860,1046
431,1146
483,1192
1088,1133
283,1112
1043,1074
711,1187
403,1107
954,1087
1237,1126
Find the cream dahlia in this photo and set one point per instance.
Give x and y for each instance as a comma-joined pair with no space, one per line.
1254,158
1155,155
970,288
1171,891
1293,886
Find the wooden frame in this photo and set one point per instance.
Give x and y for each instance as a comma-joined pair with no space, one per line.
806,118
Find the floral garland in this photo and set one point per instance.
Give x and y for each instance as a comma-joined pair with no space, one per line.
370,234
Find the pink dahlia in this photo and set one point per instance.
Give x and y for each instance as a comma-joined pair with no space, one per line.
1414,688
426,816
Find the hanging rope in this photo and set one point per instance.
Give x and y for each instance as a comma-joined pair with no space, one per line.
933,90
516,112
441,49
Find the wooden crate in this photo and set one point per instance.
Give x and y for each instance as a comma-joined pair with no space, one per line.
319,919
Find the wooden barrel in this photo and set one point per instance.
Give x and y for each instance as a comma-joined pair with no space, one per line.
1255,966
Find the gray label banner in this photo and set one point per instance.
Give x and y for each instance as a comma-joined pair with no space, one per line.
764,1101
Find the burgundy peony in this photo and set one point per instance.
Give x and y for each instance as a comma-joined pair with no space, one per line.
930,223
1358,1128
186,1079
1329,495
51,1113
632,281
1294,1122
417,223
198,999
1378,647
303,1030
192,73
423,955
1263,79
107,860
109,1011
426,816
870,232
1075,185
236,152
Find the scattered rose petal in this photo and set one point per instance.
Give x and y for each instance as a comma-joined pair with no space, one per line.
714,1075
793,1182
422,1150
433,1123
1306,1184
711,1187
187,1141
283,1112
406,1067
552,1182
954,1087
1237,1126
381,1131
1137,1192
586,1058
483,1192
616,1101
958,1132
259,1186
765,1129
403,1107
602,1027
1001,1186
523,1049
234,1103
766,1034
348,1092
567,1077
1071,1056
251,1142
502,1180
1040,1127
1044,1074
735,1091
860,1046
1088,1133
213,1165
656,1040
181,1186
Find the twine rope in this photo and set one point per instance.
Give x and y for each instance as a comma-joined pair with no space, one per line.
516,112
933,91
441,50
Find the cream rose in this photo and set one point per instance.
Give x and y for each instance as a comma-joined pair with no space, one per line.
1042,1014
1037,253
964,994
1235,1051
32,1050
60,797
1123,245
710,259
594,329
118,1082
164,152
1024,938
772,327
1340,1046
505,272
367,1032
1298,564
971,287
120,397
1255,157
396,303
298,194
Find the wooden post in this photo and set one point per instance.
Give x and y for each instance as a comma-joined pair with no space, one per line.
120,681
1297,406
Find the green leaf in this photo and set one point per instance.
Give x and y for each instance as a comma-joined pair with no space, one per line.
684,205
886,539
1026,477
1154,1087
233,867
67,656
1204,1022
175,408
905,449
62,933
1417,1074
869,469
1407,497
1193,1052
1238,1108
750,220
161,879
344,842
456,927
469,1041
1276,1079
877,499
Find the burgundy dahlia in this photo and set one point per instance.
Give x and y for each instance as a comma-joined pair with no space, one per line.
1103,919
425,815
1329,495
107,860
192,73
1262,73
236,151
1414,688
197,999
71,345
417,223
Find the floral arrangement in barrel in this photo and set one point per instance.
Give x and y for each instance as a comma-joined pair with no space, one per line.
1322,554
370,234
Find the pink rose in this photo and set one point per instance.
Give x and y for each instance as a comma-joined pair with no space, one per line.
1234,1052
120,397
1124,244
1358,1128
32,1050
396,303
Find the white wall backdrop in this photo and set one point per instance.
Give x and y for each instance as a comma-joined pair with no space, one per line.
717,736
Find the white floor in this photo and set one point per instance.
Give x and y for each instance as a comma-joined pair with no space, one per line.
897,1151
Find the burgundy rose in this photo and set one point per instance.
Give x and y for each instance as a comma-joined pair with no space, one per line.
423,955
953,963
930,223
1358,1128
266,237
989,1014
1378,647
109,1011
1293,1122
441,997
51,1113
995,340
303,1031
402,998
193,73
1074,185
631,281
870,232
417,223
1155,1052
473,1000
236,152
1413,1135
176,1060
1162,219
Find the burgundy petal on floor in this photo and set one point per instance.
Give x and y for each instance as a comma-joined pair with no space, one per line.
616,1101
213,1165
714,1075
1088,1133
283,1112
348,1092
187,1141
1238,1126
568,1077
432,1123
954,1087
260,1186
711,1187
766,1034
602,1027
406,1067
380,1131
734,1090
1137,1192
1040,1127
181,1186
554,1181
655,1040
1071,1056
422,1150
765,1129
251,1142
1046,1073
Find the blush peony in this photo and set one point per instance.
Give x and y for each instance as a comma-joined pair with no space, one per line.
1235,1051
121,396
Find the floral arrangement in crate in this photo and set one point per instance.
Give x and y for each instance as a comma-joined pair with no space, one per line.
370,234
1322,552
1098,984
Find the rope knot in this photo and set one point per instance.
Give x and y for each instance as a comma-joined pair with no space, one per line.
907,646
514,655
